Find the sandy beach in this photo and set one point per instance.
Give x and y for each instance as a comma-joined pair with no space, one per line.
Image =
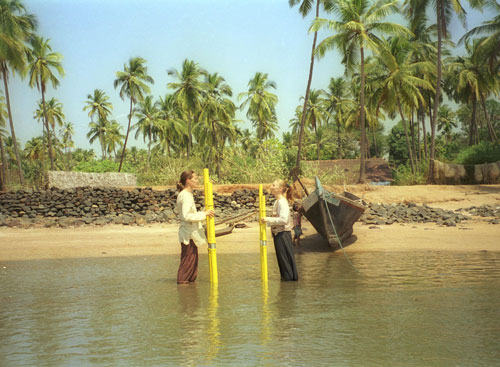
160,239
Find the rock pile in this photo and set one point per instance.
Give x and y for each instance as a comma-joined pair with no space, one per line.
85,205
410,213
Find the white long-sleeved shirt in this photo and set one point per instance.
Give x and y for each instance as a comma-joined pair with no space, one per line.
191,227
281,219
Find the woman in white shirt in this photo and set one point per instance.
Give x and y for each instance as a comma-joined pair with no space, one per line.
191,232
281,226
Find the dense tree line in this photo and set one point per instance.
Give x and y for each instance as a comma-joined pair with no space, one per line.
392,72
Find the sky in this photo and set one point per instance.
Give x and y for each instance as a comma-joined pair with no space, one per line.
235,38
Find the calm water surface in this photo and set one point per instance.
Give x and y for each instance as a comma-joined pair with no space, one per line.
402,309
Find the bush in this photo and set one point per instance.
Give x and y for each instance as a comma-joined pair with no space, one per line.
403,175
484,152
336,176
102,166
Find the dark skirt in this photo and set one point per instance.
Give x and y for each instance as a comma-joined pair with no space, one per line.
284,254
188,268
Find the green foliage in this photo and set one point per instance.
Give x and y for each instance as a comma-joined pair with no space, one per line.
102,166
404,177
398,152
484,152
334,177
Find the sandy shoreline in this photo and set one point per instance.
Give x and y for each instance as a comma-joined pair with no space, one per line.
116,240
161,239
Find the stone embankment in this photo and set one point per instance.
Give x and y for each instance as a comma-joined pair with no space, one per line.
100,206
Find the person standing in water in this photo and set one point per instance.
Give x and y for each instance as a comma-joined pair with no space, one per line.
191,232
281,226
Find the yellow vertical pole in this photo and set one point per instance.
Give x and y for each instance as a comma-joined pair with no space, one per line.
209,205
262,236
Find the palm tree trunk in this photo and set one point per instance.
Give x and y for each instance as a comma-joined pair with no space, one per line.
493,135
473,133
306,97
339,143
49,140
438,92
190,137
11,123
410,150
126,136
362,163
413,143
3,174
375,142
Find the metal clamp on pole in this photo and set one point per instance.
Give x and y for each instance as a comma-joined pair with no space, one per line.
262,235
209,205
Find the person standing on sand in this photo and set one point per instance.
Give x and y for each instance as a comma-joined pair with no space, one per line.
281,226
191,232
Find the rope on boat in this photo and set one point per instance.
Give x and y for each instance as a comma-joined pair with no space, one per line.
335,230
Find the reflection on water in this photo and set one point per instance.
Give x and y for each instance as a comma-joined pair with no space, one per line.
411,309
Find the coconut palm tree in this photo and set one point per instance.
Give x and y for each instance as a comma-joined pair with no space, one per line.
67,131
444,9
148,123
42,62
261,105
335,96
53,113
447,121
401,81
188,90
304,9
316,114
16,26
467,80
171,126
356,31
133,84
99,108
98,130
216,120
114,137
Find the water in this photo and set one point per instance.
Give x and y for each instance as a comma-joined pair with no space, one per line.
402,309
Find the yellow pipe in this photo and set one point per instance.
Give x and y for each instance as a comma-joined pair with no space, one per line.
209,205
262,236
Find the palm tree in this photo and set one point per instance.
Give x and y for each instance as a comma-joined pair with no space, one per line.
261,105
98,130
444,9
216,120
401,81
489,47
447,121
304,9
148,124
467,80
3,161
99,107
171,126
188,92
132,81
53,113
16,25
335,96
42,62
359,21
316,114
114,137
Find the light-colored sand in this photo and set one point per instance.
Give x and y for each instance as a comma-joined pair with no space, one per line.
117,240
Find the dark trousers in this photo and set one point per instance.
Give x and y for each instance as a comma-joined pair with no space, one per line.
188,268
284,254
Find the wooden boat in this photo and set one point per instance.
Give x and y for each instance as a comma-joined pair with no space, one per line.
344,210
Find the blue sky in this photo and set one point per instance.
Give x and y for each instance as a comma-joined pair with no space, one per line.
235,38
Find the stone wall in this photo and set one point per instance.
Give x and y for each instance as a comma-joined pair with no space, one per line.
68,180
448,173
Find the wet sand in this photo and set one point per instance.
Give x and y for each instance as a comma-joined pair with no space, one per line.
161,239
